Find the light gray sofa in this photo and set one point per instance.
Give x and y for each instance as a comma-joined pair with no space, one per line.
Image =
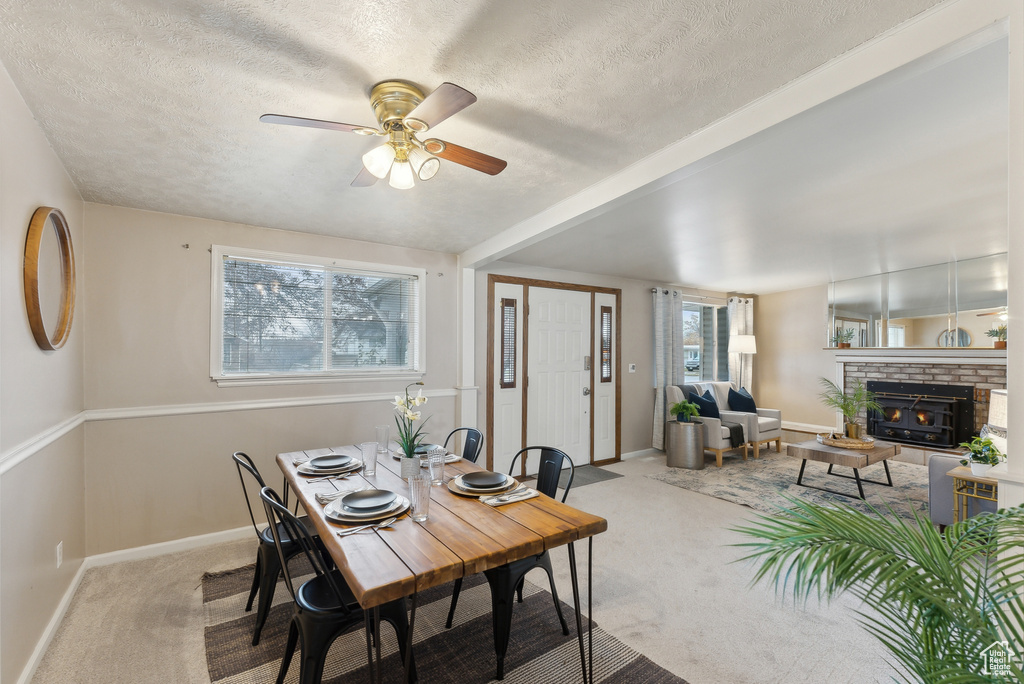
716,436
940,491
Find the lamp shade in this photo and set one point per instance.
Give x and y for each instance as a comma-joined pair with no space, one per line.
423,165
378,160
997,409
401,175
743,344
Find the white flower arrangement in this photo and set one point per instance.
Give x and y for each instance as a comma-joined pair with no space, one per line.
407,438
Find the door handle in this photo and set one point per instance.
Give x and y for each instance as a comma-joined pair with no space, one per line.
586,391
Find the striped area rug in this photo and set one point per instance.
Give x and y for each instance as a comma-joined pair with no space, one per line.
538,652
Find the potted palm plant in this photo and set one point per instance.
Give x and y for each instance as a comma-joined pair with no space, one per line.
940,603
683,410
999,333
849,404
981,455
843,337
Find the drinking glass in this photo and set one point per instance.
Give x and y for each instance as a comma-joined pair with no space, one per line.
369,453
435,461
419,496
383,439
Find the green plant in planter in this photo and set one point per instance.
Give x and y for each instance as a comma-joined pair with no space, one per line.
937,602
981,451
686,409
998,332
843,335
850,405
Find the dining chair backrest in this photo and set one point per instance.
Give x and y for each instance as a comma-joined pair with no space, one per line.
471,447
243,462
283,520
549,470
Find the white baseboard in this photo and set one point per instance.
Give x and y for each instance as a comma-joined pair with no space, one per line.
173,546
137,553
52,627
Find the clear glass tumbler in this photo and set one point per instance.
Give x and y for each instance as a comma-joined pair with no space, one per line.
435,461
383,439
369,454
419,496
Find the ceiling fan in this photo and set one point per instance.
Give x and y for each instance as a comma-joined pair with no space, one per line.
402,112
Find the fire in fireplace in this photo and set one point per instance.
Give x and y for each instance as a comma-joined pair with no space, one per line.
923,414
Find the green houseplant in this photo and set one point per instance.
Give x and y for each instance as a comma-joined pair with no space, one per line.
937,602
981,455
999,333
843,337
683,410
849,404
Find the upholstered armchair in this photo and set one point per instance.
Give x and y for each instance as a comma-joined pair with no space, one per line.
762,427
716,436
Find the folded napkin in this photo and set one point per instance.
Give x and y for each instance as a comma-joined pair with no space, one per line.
327,497
521,495
300,460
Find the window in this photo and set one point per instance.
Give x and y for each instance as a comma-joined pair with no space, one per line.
705,333
284,316
508,343
606,344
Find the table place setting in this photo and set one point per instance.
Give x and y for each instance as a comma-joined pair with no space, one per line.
520,493
482,483
332,465
365,506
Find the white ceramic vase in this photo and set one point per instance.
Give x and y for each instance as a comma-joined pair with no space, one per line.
410,467
979,469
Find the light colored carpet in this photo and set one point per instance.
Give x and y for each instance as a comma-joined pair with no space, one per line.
763,483
665,584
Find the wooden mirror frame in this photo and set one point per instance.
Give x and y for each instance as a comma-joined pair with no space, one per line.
37,226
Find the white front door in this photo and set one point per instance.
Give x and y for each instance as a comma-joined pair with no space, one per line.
558,386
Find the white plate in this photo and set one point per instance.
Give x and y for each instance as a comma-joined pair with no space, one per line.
305,469
333,511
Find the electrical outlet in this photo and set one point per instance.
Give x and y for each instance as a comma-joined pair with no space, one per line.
632,368
60,553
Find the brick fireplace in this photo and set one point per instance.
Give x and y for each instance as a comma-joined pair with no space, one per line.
982,370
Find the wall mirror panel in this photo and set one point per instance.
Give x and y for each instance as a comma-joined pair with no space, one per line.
945,305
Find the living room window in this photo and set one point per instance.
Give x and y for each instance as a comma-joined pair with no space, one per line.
286,318
705,337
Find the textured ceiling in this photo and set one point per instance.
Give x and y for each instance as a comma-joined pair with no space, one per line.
155,103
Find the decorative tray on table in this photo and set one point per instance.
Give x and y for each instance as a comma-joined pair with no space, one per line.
841,442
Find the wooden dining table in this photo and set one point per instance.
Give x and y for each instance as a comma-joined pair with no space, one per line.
461,537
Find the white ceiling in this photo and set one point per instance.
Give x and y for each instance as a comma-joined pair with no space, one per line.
155,103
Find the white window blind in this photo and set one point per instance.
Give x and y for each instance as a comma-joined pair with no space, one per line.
283,317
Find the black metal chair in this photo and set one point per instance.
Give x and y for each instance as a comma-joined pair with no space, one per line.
268,565
471,447
325,607
507,580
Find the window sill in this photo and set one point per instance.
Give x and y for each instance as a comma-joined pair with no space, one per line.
312,379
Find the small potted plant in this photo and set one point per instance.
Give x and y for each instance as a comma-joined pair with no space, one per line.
999,333
843,337
981,455
408,438
683,411
850,405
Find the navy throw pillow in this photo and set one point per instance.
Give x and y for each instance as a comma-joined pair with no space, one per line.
741,401
706,405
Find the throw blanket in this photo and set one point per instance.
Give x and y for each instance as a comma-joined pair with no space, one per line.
735,433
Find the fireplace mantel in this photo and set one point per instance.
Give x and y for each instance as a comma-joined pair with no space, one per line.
897,355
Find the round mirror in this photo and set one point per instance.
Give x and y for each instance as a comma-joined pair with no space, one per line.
49,278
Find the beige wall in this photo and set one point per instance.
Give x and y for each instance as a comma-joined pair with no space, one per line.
161,476
791,333
38,391
637,343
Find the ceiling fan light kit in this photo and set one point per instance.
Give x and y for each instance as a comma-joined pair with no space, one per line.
403,111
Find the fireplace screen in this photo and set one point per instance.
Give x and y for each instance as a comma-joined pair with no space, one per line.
926,415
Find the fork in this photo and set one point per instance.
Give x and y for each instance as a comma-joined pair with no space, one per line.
374,526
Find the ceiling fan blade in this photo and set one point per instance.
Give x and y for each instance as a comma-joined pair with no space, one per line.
448,99
317,123
465,156
364,179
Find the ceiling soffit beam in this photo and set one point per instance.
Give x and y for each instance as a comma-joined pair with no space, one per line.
980,21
